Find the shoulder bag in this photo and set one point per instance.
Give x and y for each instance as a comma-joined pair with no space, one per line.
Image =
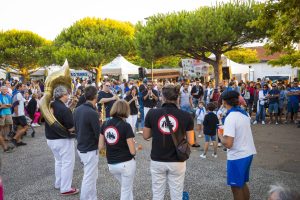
182,148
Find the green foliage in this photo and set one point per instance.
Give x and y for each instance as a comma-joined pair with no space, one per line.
91,42
20,49
243,55
281,20
292,59
169,61
216,29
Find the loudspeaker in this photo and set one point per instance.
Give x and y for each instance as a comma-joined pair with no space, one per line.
226,73
142,72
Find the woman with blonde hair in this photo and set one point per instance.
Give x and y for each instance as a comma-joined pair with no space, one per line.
117,136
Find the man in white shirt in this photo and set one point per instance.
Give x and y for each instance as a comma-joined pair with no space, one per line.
238,139
19,118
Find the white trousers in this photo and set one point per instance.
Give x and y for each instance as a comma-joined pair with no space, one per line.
132,121
124,172
64,155
146,110
171,172
89,181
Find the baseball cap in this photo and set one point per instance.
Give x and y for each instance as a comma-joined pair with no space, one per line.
230,95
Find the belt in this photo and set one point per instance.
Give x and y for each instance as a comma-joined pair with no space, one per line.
89,151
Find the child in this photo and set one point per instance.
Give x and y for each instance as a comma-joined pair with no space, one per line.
200,113
210,124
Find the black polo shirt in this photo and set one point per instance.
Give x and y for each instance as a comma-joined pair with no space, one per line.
163,148
64,116
148,102
87,127
116,132
198,90
132,105
107,105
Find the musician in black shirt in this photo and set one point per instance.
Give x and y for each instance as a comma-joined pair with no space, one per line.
62,148
117,136
107,98
87,127
165,165
150,98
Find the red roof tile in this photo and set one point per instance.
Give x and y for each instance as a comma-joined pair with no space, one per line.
263,56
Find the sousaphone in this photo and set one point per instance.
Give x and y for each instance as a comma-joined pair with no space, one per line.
54,79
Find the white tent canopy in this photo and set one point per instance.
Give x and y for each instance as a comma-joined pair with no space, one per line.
235,68
120,66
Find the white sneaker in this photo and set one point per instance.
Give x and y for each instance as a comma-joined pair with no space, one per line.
263,122
211,144
199,136
214,155
203,156
139,132
255,122
37,124
276,123
219,144
33,125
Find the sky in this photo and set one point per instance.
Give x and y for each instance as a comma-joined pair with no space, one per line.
48,17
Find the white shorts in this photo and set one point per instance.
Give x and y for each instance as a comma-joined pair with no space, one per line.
199,121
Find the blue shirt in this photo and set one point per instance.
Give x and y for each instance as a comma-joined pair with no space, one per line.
294,98
274,92
5,99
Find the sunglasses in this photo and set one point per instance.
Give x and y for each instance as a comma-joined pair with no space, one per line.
107,85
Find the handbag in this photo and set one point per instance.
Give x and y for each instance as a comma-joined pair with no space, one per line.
183,150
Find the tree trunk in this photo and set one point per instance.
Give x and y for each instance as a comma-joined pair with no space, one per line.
98,73
218,70
25,74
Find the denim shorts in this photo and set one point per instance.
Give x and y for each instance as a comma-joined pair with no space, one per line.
208,138
293,107
186,108
273,108
238,171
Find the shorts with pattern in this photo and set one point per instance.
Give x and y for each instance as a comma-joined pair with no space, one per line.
6,120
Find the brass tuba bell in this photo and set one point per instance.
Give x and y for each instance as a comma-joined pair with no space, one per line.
60,77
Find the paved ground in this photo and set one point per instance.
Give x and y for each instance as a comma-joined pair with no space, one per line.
28,173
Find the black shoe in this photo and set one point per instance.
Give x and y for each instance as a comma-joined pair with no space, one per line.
14,142
33,134
21,144
225,149
196,145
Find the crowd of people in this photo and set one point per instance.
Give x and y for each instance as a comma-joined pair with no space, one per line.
174,114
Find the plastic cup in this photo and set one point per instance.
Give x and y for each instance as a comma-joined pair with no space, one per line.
220,129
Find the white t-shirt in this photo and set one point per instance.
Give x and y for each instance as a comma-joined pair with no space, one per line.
238,126
21,110
9,91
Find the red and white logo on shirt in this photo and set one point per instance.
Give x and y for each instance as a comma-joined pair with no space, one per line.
163,125
111,135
